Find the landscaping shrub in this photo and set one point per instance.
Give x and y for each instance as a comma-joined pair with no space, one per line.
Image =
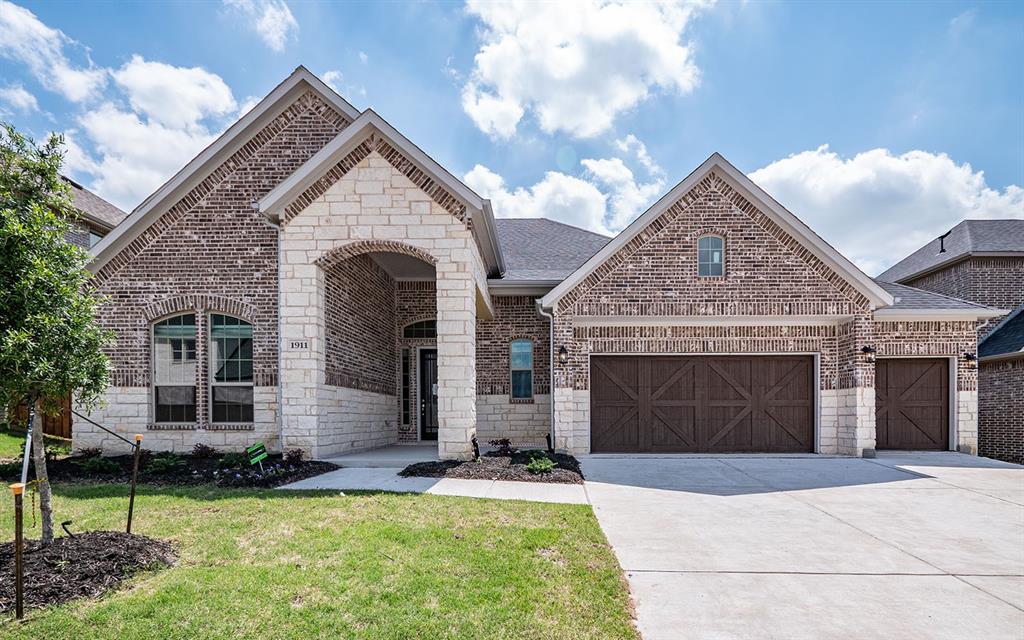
165,462
504,447
233,460
293,456
98,465
90,452
203,451
541,465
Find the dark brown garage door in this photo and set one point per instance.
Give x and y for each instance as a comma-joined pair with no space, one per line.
674,404
912,404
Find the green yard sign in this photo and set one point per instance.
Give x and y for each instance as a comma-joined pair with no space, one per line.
257,453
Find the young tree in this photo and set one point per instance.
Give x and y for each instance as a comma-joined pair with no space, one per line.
50,344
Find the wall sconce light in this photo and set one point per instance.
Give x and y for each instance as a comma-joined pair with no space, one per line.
869,353
563,355
972,361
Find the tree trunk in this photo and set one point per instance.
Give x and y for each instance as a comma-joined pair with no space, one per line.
43,483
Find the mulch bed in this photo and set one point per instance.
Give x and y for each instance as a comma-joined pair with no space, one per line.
494,466
190,471
83,566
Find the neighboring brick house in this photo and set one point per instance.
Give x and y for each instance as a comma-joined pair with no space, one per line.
96,216
314,280
983,261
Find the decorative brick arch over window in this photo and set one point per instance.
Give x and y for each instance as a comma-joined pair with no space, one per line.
201,303
361,247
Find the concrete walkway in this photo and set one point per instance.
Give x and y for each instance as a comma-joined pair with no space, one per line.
378,471
912,545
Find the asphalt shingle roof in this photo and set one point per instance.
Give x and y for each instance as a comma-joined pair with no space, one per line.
912,298
1008,337
542,249
95,207
970,236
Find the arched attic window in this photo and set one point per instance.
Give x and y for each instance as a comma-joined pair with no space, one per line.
710,256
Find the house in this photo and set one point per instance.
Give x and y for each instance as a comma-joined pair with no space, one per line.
313,279
96,216
983,261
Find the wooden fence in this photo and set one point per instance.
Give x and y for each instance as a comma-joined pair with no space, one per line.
58,425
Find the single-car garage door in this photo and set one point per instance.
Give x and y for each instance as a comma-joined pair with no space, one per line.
912,403
689,404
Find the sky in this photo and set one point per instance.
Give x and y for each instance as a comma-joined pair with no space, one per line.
881,125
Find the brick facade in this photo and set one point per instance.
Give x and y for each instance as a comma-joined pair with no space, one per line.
209,246
994,282
1001,398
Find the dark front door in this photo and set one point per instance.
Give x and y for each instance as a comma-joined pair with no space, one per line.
428,394
912,404
683,404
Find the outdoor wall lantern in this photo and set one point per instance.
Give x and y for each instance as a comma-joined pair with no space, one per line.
972,360
563,355
869,353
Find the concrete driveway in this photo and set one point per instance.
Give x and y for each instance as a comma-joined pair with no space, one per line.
903,546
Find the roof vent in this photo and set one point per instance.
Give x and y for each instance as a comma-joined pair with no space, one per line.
942,241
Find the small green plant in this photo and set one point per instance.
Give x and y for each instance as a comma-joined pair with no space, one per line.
10,469
203,451
165,462
541,465
90,452
293,456
98,465
233,460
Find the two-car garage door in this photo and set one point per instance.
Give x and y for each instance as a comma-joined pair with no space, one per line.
687,404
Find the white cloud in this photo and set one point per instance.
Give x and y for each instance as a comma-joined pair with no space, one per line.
605,199
137,155
878,207
363,57
576,65
23,38
272,20
177,97
333,79
557,196
17,98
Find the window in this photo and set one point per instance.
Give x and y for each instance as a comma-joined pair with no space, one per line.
406,374
710,256
94,239
521,360
174,369
422,329
231,385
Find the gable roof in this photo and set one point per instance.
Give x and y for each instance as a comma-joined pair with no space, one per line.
1007,339
877,296
910,302
93,208
150,210
285,193
544,250
966,239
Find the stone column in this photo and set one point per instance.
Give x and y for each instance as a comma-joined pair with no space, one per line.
856,397
302,348
456,360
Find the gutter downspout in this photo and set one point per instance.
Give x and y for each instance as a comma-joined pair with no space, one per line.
280,341
551,369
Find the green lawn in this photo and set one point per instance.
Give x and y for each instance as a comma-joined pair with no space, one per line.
270,564
12,444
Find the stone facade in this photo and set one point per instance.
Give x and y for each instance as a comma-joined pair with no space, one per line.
372,205
210,252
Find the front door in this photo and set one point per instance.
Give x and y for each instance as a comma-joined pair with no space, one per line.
428,394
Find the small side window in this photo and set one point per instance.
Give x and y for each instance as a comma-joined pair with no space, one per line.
710,256
521,360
